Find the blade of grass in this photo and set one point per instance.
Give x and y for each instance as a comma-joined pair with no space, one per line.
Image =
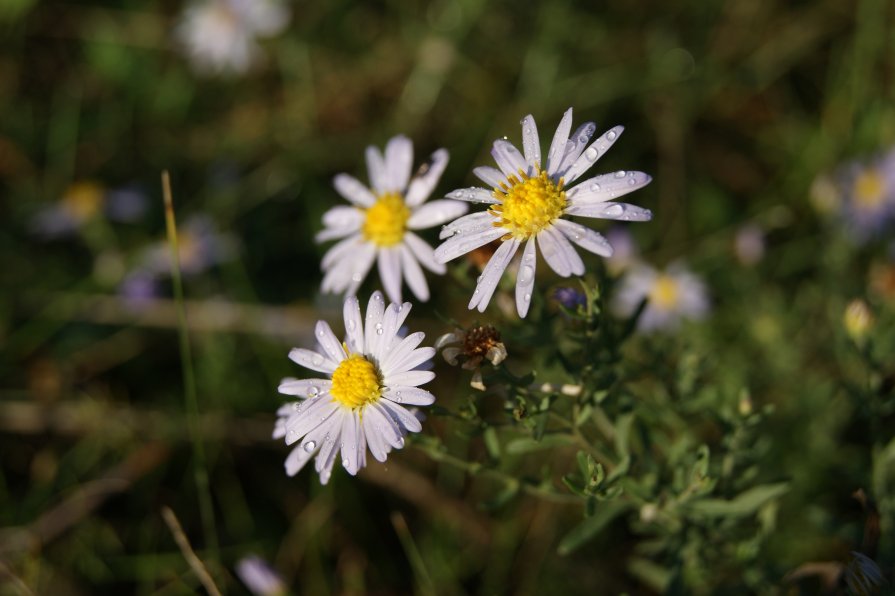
424,585
189,379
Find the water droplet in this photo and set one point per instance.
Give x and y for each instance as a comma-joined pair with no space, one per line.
631,182
317,360
525,274
344,463
379,332
583,139
291,435
527,297
614,211
309,446
475,292
313,391
620,174
529,257
351,325
400,442
505,138
356,276
595,187
377,297
296,407
397,397
478,280
611,135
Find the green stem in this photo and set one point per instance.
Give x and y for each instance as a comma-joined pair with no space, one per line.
189,380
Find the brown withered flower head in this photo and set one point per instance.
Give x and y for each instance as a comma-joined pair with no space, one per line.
468,348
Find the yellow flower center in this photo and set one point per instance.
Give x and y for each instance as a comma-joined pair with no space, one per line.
869,189
386,220
664,293
83,199
356,382
528,205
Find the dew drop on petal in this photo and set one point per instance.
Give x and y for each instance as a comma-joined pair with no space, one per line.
595,187
317,360
356,276
631,182
591,153
344,463
620,174
525,274
400,442
527,297
313,391
614,211
611,135
351,325
309,446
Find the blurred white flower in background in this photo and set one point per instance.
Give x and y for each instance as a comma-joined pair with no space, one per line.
749,244
259,577
672,295
220,36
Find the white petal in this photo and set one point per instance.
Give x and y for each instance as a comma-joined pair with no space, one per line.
386,334
400,351
333,234
378,446
332,431
377,170
473,194
593,153
398,162
610,210
360,264
388,429
422,185
409,396
316,412
312,360
329,342
304,387
413,275
508,158
354,325
405,419
490,176
353,190
474,222
492,274
375,310
424,253
559,254
435,213
411,378
575,147
411,360
531,145
463,243
350,442
584,237
558,146
342,217
297,459
607,187
339,250
525,278
389,262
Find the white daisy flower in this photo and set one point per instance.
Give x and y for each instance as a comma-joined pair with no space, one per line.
379,225
672,295
371,377
220,35
528,203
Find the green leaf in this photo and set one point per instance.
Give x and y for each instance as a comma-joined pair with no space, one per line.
591,526
527,445
746,503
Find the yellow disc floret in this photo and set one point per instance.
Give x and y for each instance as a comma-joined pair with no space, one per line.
869,189
356,382
664,293
386,220
528,204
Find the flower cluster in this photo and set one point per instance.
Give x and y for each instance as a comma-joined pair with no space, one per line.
376,371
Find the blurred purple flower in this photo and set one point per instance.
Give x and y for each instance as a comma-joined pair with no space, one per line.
200,246
82,202
138,288
624,249
673,295
749,244
868,190
259,577
570,298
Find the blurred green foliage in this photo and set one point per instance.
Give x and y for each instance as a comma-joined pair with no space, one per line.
719,459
